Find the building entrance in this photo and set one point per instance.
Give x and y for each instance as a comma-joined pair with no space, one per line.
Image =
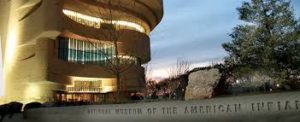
79,97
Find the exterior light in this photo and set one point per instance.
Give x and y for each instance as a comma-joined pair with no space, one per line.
237,81
107,89
83,19
81,16
32,93
129,24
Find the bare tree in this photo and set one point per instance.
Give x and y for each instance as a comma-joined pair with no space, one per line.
119,63
148,71
150,83
182,67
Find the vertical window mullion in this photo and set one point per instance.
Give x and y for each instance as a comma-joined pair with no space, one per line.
82,52
76,50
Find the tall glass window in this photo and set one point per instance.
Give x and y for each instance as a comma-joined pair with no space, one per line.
84,52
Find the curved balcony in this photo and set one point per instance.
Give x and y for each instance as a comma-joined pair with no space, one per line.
96,22
133,43
151,11
148,13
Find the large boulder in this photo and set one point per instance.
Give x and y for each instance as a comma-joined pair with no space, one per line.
201,84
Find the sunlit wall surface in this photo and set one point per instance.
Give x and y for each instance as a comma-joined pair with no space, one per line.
11,42
1,71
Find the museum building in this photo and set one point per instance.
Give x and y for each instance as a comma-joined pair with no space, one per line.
72,50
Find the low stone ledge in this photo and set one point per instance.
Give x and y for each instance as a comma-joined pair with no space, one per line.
265,107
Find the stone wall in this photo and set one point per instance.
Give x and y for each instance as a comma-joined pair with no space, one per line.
279,107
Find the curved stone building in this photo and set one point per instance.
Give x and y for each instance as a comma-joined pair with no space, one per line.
72,50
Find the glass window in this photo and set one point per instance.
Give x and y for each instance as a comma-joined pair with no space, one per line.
84,52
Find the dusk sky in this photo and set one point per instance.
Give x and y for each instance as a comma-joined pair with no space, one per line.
194,30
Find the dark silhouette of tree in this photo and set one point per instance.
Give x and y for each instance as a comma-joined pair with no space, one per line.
174,80
268,42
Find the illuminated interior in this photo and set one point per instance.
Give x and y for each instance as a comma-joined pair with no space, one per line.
86,89
84,52
96,22
91,85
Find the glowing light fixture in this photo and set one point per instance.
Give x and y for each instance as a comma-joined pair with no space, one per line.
96,22
129,24
11,44
32,92
107,89
82,16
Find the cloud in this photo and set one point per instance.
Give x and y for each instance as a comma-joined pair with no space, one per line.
194,30
162,72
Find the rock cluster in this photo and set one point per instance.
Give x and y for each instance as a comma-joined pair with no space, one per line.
201,84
